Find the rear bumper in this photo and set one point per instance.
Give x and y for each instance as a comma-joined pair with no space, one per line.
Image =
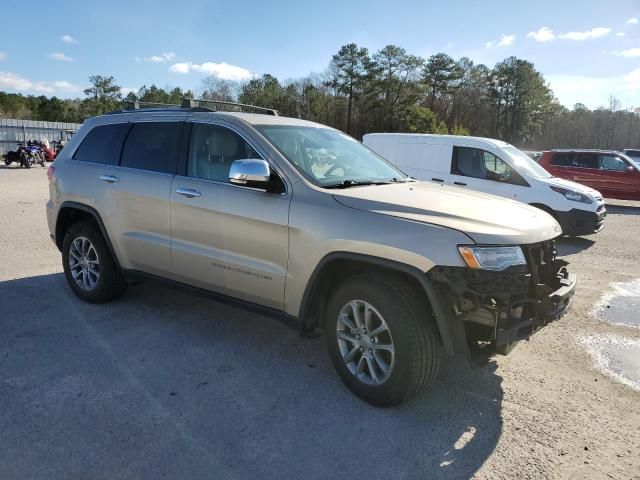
581,222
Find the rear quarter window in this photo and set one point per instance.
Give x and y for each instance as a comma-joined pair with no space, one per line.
562,160
103,144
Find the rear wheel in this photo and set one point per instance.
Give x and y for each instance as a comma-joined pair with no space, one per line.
381,340
89,267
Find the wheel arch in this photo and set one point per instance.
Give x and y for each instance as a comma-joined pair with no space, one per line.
337,265
545,208
74,212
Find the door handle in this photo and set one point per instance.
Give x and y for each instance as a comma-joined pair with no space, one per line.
460,183
437,180
109,178
188,192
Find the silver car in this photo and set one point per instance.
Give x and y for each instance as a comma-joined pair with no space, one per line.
304,223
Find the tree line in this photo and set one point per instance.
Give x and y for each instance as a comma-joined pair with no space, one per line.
389,90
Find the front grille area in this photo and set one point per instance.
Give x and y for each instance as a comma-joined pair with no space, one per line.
502,307
544,267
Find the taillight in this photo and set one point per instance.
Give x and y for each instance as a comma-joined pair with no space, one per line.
50,171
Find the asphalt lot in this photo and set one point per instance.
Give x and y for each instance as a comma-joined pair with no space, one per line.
166,384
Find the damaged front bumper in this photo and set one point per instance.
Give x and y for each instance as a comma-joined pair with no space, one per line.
492,310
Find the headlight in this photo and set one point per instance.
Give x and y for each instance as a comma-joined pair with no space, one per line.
573,195
491,258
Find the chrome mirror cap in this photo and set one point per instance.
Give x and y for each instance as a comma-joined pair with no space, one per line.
250,172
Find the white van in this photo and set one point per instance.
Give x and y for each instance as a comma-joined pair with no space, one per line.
495,167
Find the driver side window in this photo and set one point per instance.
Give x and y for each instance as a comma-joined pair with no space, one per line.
212,150
477,163
611,162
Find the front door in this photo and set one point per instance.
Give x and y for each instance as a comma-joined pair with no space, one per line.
481,170
619,178
227,238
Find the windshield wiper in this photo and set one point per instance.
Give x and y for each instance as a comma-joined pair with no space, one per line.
354,183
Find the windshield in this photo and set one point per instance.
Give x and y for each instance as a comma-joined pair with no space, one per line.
524,164
328,157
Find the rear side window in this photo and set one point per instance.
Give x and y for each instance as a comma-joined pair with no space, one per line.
103,144
562,160
582,160
588,161
153,146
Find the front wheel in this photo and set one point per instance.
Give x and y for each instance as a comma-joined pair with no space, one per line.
381,339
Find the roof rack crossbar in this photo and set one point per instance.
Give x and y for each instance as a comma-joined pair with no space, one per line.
135,105
193,102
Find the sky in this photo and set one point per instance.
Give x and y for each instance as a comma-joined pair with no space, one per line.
586,50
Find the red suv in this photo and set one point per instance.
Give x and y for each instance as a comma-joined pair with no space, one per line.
612,173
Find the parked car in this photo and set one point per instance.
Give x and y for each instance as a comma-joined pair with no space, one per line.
495,167
612,173
302,222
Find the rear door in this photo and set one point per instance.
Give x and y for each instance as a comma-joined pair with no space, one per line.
586,169
228,238
135,196
481,170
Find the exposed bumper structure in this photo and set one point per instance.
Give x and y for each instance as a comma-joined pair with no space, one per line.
492,310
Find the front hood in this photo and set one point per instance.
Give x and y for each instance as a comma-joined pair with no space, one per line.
578,187
487,219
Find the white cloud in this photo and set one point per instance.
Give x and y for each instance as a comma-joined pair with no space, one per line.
633,21
68,39
620,34
629,53
593,33
14,81
127,90
505,41
61,57
3,55
543,35
181,67
594,91
221,70
163,57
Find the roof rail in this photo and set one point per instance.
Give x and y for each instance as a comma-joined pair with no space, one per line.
193,103
135,105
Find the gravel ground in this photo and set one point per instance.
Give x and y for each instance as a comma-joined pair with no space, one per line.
165,384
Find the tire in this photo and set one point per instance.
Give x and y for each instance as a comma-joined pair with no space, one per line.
109,283
410,330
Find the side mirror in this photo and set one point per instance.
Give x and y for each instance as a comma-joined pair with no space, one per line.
250,173
630,169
